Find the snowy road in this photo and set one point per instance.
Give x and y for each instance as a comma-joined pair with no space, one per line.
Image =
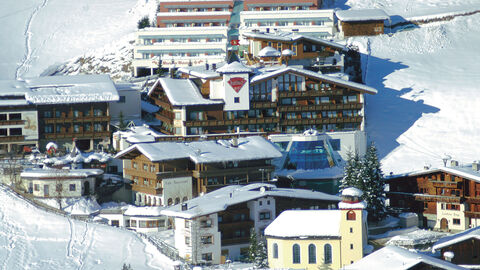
33,239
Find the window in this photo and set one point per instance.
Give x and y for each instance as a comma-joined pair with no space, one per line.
206,223
122,99
46,114
3,132
351,230
3,117
335,143
351,246
58,187
72,187
36,187
48,128
456,221
15,131
97,127
275,251
76,113
296,253
170,202
133,223
207,257
115,223
236,99
58,113
178,115
134,165
152,168
264,216
97,112
327,253
187,223
208,239
351,215
312,254
87,127
76,128
145,167
187,240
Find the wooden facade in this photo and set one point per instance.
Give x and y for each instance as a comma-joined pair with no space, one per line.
466,252
272,5
86,123
421,193
302,102
362,28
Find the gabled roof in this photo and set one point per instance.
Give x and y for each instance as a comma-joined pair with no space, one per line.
284,69
463,171
222,198
361,15
305,223
249,148
473,233
397,258
292,37
182,92
59,90
234,67
55,173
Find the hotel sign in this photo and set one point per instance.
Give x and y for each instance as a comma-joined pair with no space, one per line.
237,83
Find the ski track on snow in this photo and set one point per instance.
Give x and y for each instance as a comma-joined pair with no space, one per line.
27,58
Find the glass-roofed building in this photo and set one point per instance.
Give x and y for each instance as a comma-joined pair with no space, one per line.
314,160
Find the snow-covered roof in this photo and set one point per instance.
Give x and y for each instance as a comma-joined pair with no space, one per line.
60,89
397,258
306,223
473,233
53,173
361,15
234,67
201,71
182,92
139,134
267,73
352,191
146,211
357,205
76,156
292,37
249,148
463,171
222,198
269,52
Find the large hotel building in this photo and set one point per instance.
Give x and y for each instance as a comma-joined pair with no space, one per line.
190,33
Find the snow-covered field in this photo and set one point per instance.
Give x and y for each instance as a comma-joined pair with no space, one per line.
36,34
34,239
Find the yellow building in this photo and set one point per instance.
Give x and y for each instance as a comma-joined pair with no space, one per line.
313,239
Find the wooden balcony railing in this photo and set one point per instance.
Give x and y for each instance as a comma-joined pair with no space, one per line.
245,121
14,138
148,190
78,135
12,122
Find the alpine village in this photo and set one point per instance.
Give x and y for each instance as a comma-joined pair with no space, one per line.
240,139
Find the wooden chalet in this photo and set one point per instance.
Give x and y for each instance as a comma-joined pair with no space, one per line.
366,22
166,173
464,246
447,198
282,99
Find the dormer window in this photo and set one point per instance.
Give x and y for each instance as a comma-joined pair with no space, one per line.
351,215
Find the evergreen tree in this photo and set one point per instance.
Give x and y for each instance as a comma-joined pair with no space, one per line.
143,22
126,267
253,248
373,185
351,171
121,125
261,260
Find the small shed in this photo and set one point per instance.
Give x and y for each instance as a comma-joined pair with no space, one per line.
362,22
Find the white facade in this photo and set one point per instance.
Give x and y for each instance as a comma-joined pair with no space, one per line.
236,99
19,123
179,46
315,23
456,219
128,104
175,191
60,188
262,212
198,239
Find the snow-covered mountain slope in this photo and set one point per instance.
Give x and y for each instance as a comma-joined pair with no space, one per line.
427,105
42,33
31,238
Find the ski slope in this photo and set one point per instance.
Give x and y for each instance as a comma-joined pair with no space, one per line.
427,105
39,33
31,238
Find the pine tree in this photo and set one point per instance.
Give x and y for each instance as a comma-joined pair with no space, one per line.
143,22
351,171
261,260
253,248
373,185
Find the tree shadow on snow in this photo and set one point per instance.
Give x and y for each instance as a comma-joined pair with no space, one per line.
388,115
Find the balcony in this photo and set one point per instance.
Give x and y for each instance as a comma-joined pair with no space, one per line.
472,214
244,121
310,93
320,107
17,138
317,121
232,171
234,241
166,175
148,190
78,135
445,184
437,198
12,122
105,118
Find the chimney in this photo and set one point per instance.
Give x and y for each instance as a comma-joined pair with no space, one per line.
231,195
234,142
207,66
171,72
214,66
268,30
476,166
184,207
454,163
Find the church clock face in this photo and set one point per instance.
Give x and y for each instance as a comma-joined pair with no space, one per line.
237,83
